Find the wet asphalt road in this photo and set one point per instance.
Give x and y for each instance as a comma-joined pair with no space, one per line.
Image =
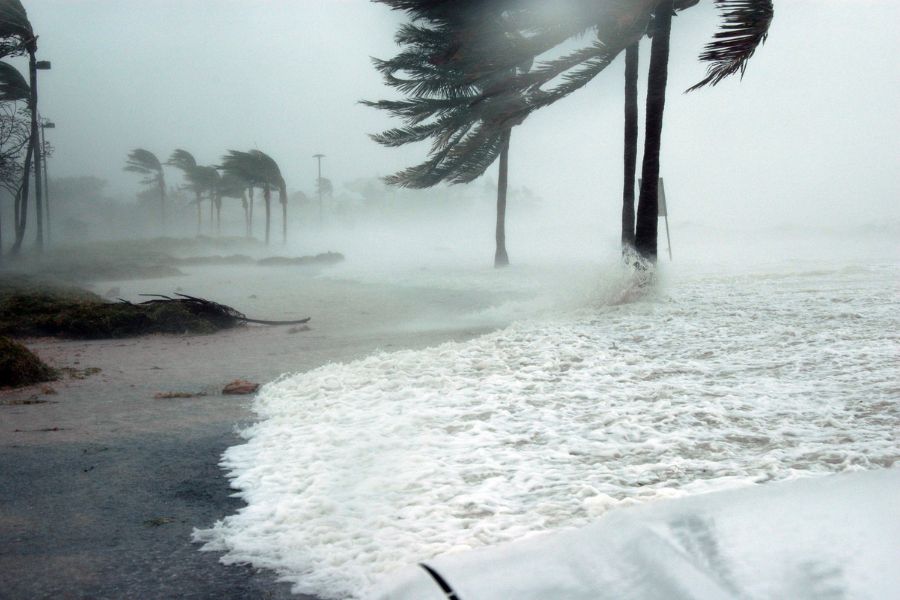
114,520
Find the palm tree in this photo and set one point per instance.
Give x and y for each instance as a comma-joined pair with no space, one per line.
259,170
185,162
146,163
465,115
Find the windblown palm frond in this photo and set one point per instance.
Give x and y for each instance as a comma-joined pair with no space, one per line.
13,86
744,28
145,163
182,159
16,34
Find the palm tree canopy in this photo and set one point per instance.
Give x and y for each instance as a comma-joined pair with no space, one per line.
13,86
182,159
464,68
254,167
145,163
16,34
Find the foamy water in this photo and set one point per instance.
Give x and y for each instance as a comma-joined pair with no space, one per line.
708,382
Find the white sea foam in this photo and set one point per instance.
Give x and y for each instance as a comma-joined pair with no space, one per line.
712,382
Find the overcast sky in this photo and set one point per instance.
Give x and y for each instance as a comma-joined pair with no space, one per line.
810,133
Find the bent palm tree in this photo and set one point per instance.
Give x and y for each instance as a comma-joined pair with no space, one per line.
465,116
185,162
144,162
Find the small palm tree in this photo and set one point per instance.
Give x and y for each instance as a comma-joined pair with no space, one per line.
185,162
144,162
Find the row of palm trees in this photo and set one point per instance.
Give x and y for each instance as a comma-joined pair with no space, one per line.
238,175
468,73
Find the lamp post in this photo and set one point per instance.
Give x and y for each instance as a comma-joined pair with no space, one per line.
34,66
319,157
46,124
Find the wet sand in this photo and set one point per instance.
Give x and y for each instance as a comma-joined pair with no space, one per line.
102,484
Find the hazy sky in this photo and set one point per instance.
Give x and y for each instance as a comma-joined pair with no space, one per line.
811,131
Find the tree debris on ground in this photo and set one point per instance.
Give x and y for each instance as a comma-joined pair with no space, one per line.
30,309
19,366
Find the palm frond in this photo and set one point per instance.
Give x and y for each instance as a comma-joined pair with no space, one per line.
13,86
744,28
182,159
16,33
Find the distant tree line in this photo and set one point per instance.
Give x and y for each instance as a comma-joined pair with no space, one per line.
238,175
470,71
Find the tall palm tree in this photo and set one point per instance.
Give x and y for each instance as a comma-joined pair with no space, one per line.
144,162
445,92
645,236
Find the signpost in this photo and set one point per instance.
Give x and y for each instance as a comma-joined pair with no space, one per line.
662,211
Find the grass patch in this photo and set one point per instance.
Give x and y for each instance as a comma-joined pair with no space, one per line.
20,366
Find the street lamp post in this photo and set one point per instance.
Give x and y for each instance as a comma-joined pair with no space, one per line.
46,124
33,67
319,157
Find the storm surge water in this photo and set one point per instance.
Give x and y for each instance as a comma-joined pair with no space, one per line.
706,381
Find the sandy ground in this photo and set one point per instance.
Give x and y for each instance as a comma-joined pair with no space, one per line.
102,484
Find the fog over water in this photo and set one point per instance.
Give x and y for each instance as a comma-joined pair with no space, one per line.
806,140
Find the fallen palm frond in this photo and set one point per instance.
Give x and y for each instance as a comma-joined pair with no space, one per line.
210,310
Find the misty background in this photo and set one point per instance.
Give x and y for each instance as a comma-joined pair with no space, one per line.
807,141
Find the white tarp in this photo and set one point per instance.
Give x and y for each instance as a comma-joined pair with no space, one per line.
831,538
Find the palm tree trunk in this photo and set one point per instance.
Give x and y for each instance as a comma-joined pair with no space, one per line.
631,140
267,198
501,259
199,214
250,216
36,142
162,199
282,196
648,203
218,216
246,213
22,204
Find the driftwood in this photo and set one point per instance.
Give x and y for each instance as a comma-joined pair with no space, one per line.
210,309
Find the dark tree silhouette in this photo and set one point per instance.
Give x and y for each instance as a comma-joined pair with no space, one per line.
144,162
443,87
187,164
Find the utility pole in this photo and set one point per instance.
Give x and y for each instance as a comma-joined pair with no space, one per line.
34,66
319,157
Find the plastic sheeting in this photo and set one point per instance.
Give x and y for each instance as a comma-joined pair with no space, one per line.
827,538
